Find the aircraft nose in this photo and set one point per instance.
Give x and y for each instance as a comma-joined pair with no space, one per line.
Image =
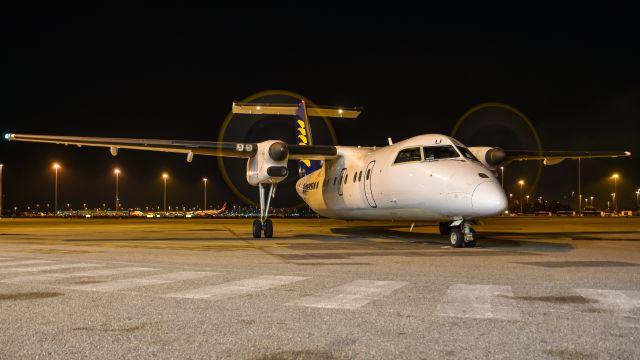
488,199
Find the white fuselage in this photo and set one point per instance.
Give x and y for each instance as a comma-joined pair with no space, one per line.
371,184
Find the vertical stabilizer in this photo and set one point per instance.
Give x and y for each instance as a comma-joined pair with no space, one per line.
304,137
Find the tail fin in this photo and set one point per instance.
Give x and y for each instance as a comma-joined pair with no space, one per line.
304,137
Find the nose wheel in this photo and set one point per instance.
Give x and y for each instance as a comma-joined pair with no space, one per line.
264,224
463,235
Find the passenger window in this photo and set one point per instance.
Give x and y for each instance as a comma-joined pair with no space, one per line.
346,176
360,176
406,155
334,181
355,177
368,174
440,152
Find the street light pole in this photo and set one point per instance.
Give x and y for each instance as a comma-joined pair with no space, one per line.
205,193
579,190
615,190
1,166
521,182
117,172
502,176
164,177
637,192
56,166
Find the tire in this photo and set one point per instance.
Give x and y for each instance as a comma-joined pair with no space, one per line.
268,228
445,228
257,229
456,238
473,242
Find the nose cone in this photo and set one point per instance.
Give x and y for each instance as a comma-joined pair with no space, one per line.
488,199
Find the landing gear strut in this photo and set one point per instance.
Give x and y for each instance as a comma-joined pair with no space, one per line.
264,224
462,235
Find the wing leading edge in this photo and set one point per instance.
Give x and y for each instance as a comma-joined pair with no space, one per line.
554,157
188,147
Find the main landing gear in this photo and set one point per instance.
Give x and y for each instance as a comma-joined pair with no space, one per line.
460,235
264,224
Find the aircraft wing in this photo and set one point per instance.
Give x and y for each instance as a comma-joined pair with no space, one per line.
554,157
189,147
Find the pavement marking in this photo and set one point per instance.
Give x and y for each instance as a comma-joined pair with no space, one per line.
236,288
90,273
122,284
624,305
479,301
351,295
23,262
45,268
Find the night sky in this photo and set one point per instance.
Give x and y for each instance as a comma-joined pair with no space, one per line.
173,73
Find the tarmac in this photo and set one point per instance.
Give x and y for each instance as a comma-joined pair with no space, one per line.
535,287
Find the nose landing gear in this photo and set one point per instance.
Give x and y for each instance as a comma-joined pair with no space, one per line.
462,235
264,224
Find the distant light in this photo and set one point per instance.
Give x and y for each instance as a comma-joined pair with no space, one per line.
615,176
116,171
56,166
339,111
204,179
258,107
164,176
7,136
521,182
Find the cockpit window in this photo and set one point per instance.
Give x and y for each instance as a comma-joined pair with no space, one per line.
467,153
440,152
406,155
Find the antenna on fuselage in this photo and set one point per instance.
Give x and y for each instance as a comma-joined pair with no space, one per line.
390,141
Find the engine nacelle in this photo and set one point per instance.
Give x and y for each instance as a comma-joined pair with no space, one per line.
489,156
269,165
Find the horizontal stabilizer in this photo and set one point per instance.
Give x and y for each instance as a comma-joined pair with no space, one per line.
283,109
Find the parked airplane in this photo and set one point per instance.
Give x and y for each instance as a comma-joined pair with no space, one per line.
211,212
424,178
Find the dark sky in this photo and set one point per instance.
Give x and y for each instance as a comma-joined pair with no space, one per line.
174,72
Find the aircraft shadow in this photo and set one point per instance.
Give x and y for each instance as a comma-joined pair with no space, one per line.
508,241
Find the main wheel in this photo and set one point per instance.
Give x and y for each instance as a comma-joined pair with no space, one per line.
257,229
456,237
445,228
473,242
268,228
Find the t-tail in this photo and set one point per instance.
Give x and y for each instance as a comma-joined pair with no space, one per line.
305,137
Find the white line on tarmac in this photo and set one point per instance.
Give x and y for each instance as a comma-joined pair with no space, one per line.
621,303
479,301
23,262
351,295
45,268
236,288
144,281
90,273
